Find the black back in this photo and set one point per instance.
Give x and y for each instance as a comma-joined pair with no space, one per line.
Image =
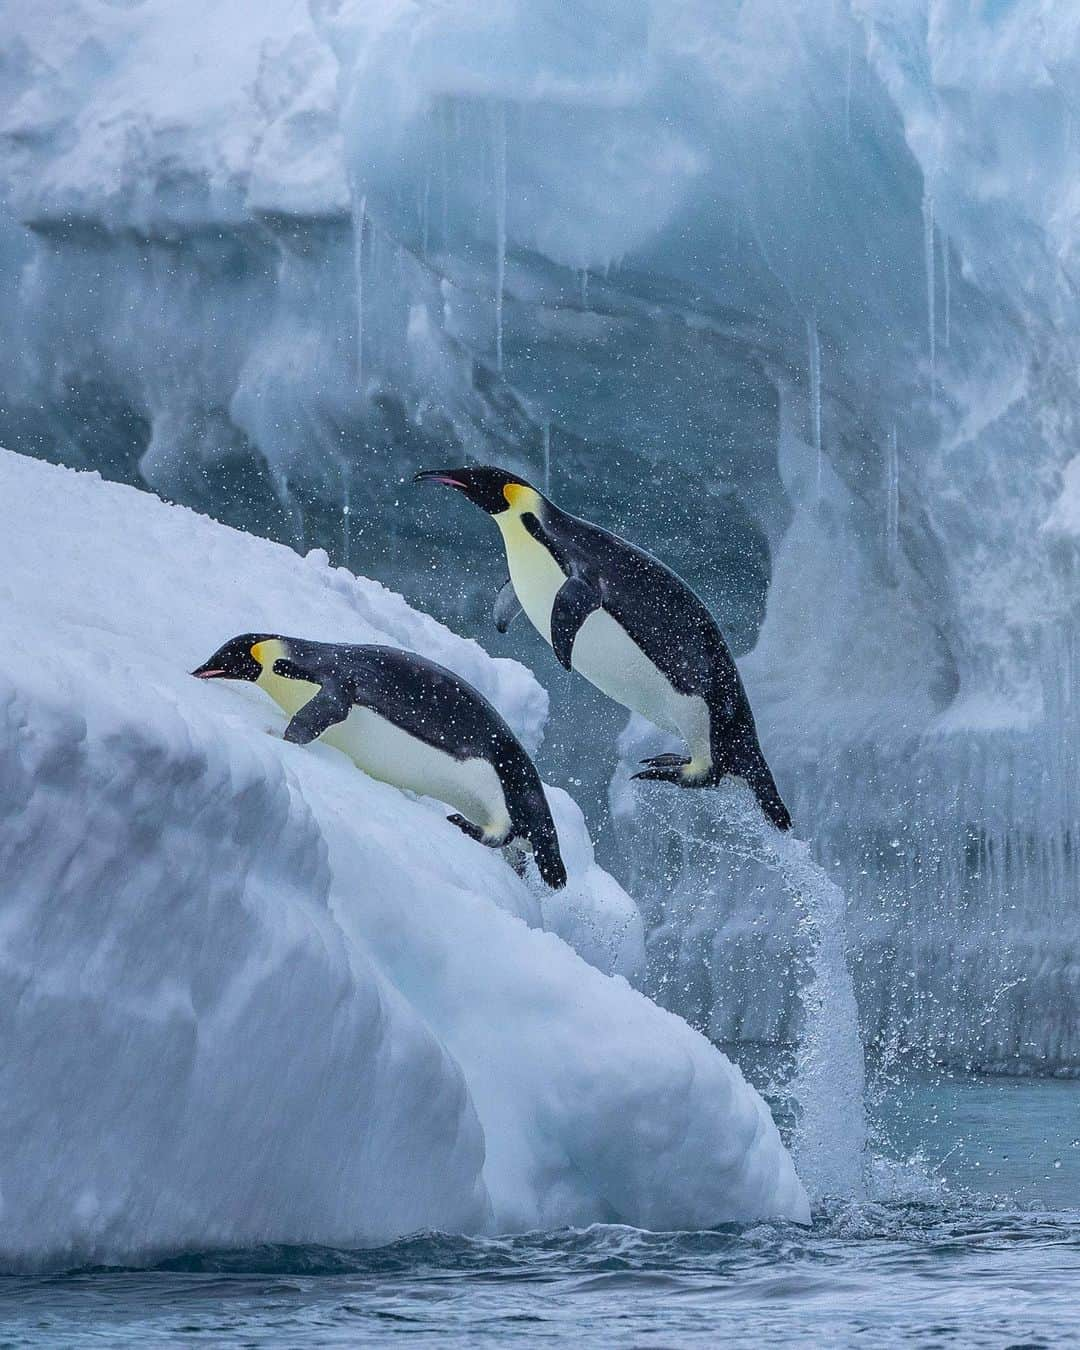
435,706
672,626
655,607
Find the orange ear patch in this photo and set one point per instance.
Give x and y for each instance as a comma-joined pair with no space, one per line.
515,494
257,651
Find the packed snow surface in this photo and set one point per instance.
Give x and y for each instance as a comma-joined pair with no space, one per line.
249,994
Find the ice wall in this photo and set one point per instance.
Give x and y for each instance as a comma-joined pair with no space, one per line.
785,291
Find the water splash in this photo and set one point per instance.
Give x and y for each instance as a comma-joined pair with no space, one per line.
828,1084
829,1081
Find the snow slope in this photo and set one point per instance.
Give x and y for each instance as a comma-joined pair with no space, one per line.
248,994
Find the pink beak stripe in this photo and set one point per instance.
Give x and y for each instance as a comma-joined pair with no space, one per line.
208,674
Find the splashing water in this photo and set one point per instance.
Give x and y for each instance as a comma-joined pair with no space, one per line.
827,1088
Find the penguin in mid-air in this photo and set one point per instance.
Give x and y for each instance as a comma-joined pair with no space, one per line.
630,626
409,722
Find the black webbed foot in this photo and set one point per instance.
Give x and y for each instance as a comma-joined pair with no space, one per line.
664,774
668,761
467,827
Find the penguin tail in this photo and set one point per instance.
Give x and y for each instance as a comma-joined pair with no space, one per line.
549,860
542,835
749,764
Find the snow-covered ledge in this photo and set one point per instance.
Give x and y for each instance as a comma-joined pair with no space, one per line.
248,994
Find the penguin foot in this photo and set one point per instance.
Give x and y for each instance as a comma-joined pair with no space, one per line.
664,774
467,827
668,761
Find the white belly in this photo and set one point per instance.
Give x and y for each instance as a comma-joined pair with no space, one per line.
606,655
386,752
603,651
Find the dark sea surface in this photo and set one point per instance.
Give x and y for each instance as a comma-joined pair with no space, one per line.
970,1237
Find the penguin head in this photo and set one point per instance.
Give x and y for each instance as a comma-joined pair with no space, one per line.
494,490
238,659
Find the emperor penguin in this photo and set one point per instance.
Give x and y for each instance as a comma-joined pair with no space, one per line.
627,623
408,722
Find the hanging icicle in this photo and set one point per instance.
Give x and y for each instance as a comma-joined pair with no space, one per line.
358,264
498,120
928,257
946,267
346,513
892,506
813,343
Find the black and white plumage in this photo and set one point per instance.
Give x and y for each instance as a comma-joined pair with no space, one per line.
632,627
406,721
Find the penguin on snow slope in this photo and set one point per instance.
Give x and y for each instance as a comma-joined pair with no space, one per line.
630,626
409,722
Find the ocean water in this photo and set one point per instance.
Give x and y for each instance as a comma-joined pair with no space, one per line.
971,1238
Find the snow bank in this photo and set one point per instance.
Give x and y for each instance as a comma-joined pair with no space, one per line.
249,994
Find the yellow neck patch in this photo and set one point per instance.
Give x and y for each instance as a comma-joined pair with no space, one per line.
269,651
520,497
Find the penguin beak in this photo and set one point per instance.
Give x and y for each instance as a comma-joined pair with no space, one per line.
439,476
203,674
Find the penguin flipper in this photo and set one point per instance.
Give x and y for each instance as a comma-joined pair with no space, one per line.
324,709
507,606
576,600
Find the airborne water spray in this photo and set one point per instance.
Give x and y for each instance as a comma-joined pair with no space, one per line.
827,1087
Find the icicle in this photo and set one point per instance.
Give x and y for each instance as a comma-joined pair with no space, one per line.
498,118
547,457
928,252
847,92
814,345
584,288
346,512
946,268
892,506
294,510
425,201
358,263
444,174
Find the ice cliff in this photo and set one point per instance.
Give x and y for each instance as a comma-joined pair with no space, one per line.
785,290
248,994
